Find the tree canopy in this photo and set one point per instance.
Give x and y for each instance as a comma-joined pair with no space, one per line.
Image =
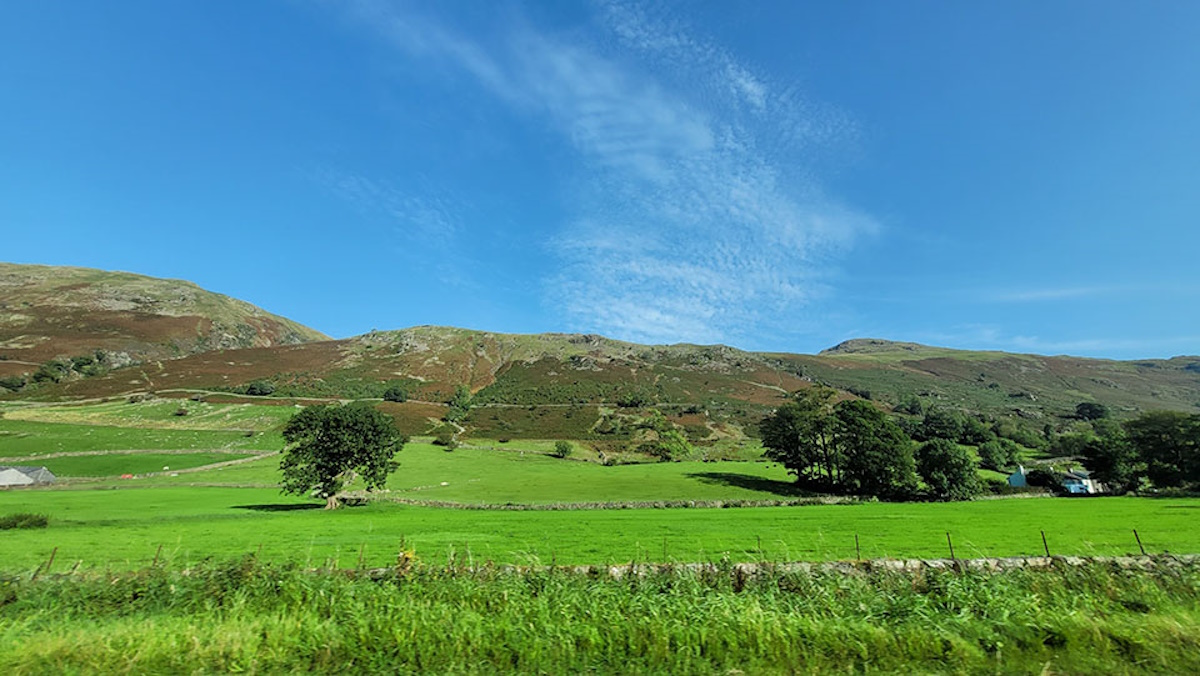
798,435
328,446
947,469
851,447
877,456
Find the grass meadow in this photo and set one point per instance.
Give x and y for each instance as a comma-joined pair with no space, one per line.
124,528
243,615
21,438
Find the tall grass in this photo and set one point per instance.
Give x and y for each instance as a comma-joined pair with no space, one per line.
245,615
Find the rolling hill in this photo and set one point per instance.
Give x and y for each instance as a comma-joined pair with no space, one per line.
541,386
61,312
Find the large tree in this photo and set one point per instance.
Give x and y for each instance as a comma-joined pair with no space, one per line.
877,456
328,446
1112,460
799,436
1169,442
947,469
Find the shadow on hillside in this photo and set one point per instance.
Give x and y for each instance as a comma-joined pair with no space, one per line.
754,483
290,507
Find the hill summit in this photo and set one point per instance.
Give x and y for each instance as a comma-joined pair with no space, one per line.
49,312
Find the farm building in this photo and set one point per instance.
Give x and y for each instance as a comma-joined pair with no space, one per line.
1017,478
1079,481
15,475
1075,481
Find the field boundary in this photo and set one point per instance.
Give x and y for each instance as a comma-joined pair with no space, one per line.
353,497
738,572
746,570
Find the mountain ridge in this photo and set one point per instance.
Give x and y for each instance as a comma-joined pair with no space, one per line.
584,369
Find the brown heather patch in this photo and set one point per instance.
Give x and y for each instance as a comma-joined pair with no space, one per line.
413,417
12,368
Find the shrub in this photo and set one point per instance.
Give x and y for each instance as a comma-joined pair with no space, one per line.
633,400
446,439
910,405
1091,411
561,449
12,383
24,520
52,371
396,393
260,388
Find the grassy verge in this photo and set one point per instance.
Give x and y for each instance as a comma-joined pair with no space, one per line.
245,616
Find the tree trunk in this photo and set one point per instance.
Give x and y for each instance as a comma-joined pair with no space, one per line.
331,502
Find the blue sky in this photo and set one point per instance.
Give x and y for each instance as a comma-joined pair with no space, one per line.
1021,176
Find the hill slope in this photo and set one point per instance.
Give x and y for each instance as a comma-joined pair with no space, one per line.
172,336
54,312
578,386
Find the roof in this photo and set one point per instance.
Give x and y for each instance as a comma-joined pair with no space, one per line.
24,475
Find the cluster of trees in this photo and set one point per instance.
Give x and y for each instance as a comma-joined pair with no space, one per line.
853,447
1158,449
58,370
459,404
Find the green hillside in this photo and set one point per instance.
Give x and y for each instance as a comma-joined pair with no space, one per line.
62,312
177,340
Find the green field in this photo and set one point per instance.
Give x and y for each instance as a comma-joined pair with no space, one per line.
232,510
124,527
19,438
161,414
117,464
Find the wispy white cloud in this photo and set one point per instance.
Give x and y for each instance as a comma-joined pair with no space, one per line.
1070,293
695,214
981,336
427,215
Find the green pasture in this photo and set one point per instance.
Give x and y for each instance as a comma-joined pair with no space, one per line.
524,474
117,464
20,438
125,526
161,414
514,475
